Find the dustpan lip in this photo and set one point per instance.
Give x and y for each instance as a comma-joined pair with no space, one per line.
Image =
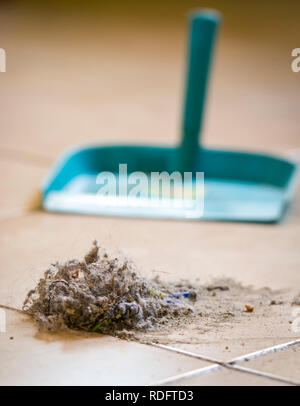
73,150
77,149
251,153
68,152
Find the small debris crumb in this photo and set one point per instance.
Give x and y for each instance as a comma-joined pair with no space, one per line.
217,287
296,301
193,295
249,308
276,302
11,338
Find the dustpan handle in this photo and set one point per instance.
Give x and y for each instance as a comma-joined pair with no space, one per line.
203,27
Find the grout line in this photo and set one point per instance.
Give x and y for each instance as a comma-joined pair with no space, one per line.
265,351
26,157
217,365
12,213
33,204
6,307
263,374
189,354
186,375
242,358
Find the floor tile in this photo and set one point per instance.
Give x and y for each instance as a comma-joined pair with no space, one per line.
28,357
285,363
174,249
230,348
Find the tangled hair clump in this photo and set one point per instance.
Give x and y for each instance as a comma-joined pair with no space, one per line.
100,294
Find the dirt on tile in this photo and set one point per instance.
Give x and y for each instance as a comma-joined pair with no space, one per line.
296,300
108,295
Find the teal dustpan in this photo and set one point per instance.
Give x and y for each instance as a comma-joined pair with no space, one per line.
238,186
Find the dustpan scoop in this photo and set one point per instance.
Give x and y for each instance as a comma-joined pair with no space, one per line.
239,185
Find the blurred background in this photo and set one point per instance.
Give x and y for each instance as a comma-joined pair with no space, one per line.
110,71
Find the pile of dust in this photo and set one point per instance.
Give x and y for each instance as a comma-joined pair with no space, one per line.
107,295
103,294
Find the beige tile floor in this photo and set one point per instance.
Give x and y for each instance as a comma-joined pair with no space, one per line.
79,359
287,363
49,102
